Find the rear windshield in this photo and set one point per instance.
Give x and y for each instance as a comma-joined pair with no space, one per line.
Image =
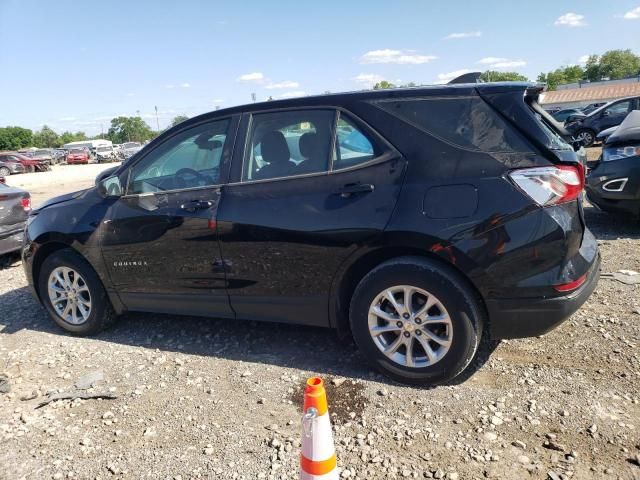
77,151
466,122
556,142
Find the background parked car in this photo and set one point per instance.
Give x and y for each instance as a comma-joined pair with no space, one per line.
105,153
77,155
44,155
130,148
591,107
585,128
15,205
562,115
10,167
30,164
614,180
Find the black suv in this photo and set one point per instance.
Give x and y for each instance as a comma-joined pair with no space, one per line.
586,128
425,222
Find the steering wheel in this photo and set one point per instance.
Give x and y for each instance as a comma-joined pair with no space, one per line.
183,180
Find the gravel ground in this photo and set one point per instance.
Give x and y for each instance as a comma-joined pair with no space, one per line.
199,398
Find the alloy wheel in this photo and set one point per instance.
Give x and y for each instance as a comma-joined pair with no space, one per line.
410,326
69,295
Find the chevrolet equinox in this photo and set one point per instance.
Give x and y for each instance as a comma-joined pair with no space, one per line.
425,222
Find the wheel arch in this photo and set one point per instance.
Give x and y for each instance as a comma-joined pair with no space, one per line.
363,261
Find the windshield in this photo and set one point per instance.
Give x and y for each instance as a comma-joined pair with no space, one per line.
599,109
131,145
103,149
77,151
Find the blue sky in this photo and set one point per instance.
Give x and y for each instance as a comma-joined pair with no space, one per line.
75,65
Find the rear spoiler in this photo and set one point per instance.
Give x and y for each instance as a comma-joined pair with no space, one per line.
472,77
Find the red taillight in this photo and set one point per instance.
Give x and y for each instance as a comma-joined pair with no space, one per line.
550,185
567,287
26,204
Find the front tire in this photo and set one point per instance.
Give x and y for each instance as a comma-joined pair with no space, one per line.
417,321
587,136
4,172
73,294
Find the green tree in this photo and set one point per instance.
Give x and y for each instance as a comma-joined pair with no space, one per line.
616,64
68,137
494,76
562,75
129,129
383,85
46,138
14,138
178,119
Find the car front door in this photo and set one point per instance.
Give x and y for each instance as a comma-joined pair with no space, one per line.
614,114
160,245
299,207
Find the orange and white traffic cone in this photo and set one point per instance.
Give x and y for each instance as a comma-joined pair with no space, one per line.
318,456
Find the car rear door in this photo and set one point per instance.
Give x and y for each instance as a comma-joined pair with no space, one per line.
284,229
160,246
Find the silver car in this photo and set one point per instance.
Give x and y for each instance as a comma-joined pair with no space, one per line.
15,205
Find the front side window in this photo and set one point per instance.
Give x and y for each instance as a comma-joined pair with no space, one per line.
352,146
288,143
191,159
618,109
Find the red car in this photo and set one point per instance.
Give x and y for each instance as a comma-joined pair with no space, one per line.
77,156
29,164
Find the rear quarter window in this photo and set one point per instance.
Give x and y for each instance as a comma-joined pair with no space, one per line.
464,122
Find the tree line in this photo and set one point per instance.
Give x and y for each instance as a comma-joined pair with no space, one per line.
122,129
611,65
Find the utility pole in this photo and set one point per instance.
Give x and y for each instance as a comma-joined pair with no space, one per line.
157,121
253,97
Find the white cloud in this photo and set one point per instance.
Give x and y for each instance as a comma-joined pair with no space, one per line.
509,64
251,77
446,77
499,62
399,57
570,20
131,94
293,94
66,119
632,14
169,86
583,59
453,36
368,79
217,100
285,84
491,60
185,85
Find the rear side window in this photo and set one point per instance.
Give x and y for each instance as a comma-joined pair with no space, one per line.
353,147
288,143
465,122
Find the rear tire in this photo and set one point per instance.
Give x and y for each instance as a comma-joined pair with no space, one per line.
441,351
101,314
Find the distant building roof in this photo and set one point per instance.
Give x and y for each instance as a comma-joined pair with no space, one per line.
591,94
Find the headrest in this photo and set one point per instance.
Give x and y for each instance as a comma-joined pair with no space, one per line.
274,148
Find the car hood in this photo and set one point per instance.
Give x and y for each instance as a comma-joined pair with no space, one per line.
61,198
628,131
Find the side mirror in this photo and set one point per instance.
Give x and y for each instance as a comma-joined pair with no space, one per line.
104,174
110,187
606,113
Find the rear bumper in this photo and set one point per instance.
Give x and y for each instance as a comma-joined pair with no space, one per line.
11,241
518,318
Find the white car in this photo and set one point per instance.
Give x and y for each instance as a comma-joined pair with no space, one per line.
105,153
130,148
